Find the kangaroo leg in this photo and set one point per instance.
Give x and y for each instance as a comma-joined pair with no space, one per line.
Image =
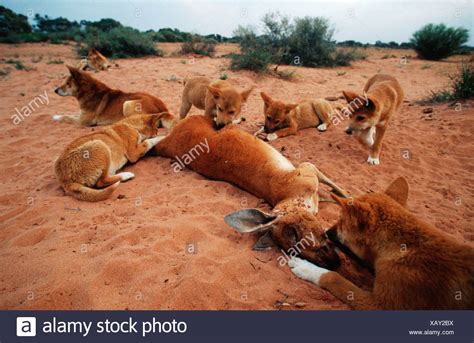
327,181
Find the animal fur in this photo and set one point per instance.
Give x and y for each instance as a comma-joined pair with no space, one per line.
282,119
99,104
219,100
372,111
86,168
233,156
417,266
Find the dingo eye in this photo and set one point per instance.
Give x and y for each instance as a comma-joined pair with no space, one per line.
220,109
269,117
360,118
231,112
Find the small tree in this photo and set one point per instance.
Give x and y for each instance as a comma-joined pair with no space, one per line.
434,42
10,22
311,41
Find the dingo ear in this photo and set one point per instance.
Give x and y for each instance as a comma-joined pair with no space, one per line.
250,220
266,98
349,95
398,191
290,107
75,73
245,94
216,92
371,103
156,120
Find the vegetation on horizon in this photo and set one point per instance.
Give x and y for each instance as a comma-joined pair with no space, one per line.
306,41
435,42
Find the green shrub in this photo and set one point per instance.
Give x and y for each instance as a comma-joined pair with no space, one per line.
198,45
434,42
31,37
311,41
251,59
304,41
119,42
463,84
462,87
17,63
10,22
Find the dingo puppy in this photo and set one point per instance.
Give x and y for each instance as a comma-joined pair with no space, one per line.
219,100
382,97
86,169
99,104
417,267
286,119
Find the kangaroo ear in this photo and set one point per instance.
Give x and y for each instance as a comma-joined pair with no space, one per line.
343,202
75,73
245,94
266,98
349,95
250,220
216,92
398,191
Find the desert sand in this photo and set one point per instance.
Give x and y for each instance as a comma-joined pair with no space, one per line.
160,241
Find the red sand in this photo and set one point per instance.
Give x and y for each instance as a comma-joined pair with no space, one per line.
160,241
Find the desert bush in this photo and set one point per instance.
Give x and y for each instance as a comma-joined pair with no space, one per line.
304,41
462,87
10,22
311,42
198,45
31,37
251,59
434,42
119,42
463,84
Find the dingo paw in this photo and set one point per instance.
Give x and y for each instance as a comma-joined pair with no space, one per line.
373,160
306,270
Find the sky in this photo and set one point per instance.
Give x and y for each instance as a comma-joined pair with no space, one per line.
366,21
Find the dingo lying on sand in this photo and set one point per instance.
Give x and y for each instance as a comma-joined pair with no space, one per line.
218,99
86,169
99,104
417,266
282,119
95,61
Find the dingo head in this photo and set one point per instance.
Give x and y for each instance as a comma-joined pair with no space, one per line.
276,113
360,223
147,124
228,104
297,231
365,111
98,60
70,86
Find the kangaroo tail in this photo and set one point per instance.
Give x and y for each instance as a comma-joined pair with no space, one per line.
85,193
